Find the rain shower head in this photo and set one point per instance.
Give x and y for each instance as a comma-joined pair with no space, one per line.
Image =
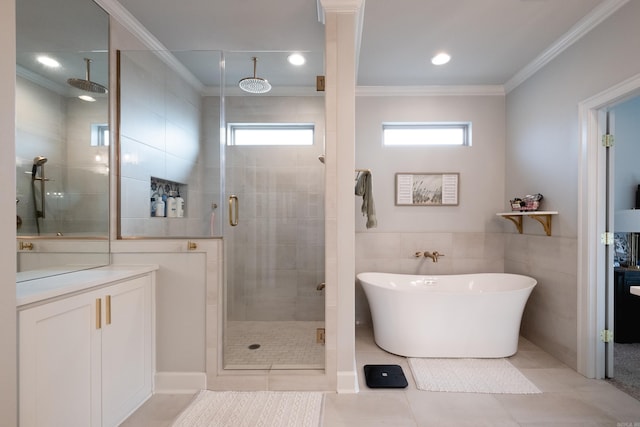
87,84
254,84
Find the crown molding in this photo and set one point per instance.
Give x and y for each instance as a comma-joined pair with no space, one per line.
41,81
585,25
128,21
471,90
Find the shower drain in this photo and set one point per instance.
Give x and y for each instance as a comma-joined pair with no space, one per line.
254,346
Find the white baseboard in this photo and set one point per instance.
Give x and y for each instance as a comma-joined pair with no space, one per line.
347,382
179,382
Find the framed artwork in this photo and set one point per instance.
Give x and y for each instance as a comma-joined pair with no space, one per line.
427,189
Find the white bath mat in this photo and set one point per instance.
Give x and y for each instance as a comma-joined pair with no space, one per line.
252,409
470,376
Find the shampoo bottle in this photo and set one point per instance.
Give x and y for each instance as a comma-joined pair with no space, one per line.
171,207
160,208
179,206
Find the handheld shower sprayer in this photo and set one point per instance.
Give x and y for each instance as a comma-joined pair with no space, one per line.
37,161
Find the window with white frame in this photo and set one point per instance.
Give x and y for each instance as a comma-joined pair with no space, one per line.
426,134
270,134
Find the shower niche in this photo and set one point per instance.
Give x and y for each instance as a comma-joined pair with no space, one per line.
167,199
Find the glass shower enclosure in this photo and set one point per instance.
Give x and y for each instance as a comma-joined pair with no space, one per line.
274,227
265,200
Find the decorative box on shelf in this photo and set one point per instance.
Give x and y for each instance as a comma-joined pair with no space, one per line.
526,204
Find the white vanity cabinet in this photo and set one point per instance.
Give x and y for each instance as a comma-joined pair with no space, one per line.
86,360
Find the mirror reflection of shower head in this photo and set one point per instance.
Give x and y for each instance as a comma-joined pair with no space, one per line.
37,161
254,84
87,84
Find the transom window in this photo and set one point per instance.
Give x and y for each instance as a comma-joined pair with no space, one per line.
99,135
426,134
270,133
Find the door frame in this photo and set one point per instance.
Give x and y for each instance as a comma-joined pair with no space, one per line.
591,224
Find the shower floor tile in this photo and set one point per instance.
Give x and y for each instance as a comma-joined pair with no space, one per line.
273,345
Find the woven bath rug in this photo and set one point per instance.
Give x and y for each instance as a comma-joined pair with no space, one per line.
496,376
253,409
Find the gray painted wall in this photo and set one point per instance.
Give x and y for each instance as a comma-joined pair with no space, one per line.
542,155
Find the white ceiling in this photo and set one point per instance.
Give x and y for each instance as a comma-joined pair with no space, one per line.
492,42
489,40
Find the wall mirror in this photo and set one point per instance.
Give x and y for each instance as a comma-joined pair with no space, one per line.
62,137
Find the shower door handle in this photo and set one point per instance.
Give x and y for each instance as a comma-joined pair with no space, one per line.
233,210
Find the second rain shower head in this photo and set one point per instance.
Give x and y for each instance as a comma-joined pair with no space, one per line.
86,84
254,84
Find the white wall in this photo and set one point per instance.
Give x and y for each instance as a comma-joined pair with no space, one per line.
542,155
481,166
8,362
627,153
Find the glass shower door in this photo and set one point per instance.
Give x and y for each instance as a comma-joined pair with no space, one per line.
274,235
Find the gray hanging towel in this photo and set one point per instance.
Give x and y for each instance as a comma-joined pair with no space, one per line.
363,188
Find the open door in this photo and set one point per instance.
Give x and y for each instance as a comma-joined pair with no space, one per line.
606,124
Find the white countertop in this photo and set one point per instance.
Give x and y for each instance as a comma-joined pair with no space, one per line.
635,290
50,287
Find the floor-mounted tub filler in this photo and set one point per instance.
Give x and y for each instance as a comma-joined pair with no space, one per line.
461,316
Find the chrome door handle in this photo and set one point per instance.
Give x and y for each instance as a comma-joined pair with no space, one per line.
233,213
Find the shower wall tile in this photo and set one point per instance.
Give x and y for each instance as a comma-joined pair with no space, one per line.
180,170
160,137
281,228
177,141
132,204
141,124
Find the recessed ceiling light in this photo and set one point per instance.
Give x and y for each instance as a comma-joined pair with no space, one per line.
440,59
87,98
48,61
296,59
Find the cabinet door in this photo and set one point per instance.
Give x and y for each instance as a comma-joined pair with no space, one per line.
126,349
59,352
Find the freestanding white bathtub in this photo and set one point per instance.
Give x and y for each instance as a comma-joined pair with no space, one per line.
457,316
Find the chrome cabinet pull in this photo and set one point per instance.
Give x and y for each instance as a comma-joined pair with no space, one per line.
234,207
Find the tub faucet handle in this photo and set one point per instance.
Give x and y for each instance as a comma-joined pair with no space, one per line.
433,255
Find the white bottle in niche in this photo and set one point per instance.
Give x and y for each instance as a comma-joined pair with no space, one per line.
179,206
172,207
159,208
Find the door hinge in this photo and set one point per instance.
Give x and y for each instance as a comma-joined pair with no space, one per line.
320,83
606,238
607,140
320,335
606,335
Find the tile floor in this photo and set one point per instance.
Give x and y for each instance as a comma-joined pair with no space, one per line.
568,399
282,345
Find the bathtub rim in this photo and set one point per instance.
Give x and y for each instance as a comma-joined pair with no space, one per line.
528,283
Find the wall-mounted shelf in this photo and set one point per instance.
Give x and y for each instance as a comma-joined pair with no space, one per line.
543,217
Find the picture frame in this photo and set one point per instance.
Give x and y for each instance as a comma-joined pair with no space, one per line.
427,189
